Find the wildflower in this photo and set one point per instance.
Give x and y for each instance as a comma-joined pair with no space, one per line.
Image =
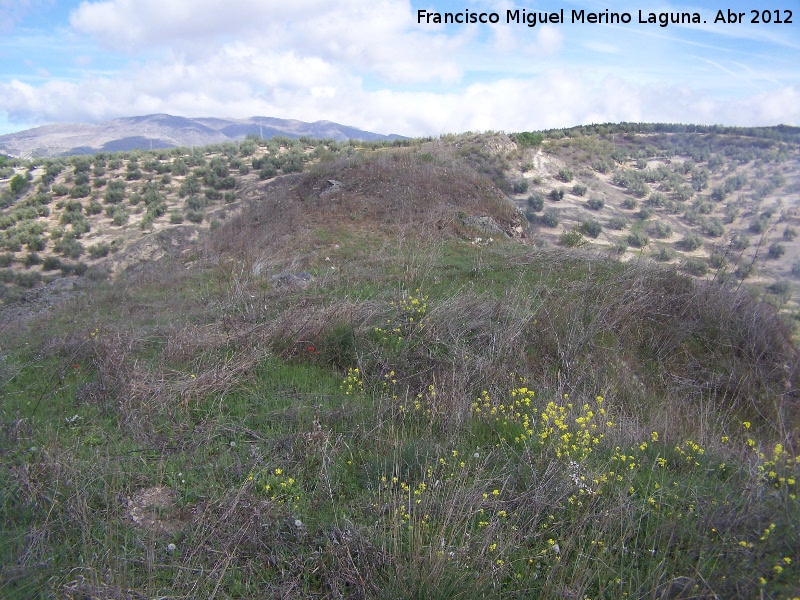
171,548
298,523
495,492
725,438
746,424
278,471
654,436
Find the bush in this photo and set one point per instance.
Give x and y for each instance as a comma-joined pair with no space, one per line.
664,253
6,259
115,192
267,171
51,263
99,250
519,187
695,266
120,216
596,203
80,191
549,218
630,203
536,202
28,279
739,241
69,247
213,194
94,208
591,228
617,223
59,190
572,238
691,241
175,217
565,175
781,288
637,239
229,197
760,225
195,216
556,195
6,275
789,233
796,270
776,250
713,228
644,213
661,229
579,190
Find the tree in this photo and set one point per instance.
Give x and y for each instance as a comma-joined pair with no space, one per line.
18,184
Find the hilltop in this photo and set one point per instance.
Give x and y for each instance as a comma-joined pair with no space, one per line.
542,364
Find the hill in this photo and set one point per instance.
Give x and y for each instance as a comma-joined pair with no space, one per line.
166,131
376,370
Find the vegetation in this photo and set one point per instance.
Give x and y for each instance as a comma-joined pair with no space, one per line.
364,389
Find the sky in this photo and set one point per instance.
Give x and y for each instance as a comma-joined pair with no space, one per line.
371,64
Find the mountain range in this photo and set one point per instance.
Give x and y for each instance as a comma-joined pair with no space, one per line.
166,131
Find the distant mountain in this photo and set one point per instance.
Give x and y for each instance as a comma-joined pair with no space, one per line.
167,131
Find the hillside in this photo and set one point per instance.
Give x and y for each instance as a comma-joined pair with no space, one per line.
300,368
158,131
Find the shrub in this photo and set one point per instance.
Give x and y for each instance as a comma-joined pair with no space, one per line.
94,208
115,192
556,195
637,239
175,217
691,241
572,238
519,187
739,241
579,190
596,203
99,250
592,228
59,190
789,233
28,279
267,171
80,191
120,216
229,196
195,216
796,270
644,213
565,175
695,266
617,223
51,263
536,202
660,229
781,287
6,275
549,218
664,253
630,203
6,259
69,247
36,243
213,194
776,250
760,225
713,228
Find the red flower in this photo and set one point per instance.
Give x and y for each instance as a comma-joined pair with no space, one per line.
311,348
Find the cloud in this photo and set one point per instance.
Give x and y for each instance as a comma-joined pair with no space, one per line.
378,36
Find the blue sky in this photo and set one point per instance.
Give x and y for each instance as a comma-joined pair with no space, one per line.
369,64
